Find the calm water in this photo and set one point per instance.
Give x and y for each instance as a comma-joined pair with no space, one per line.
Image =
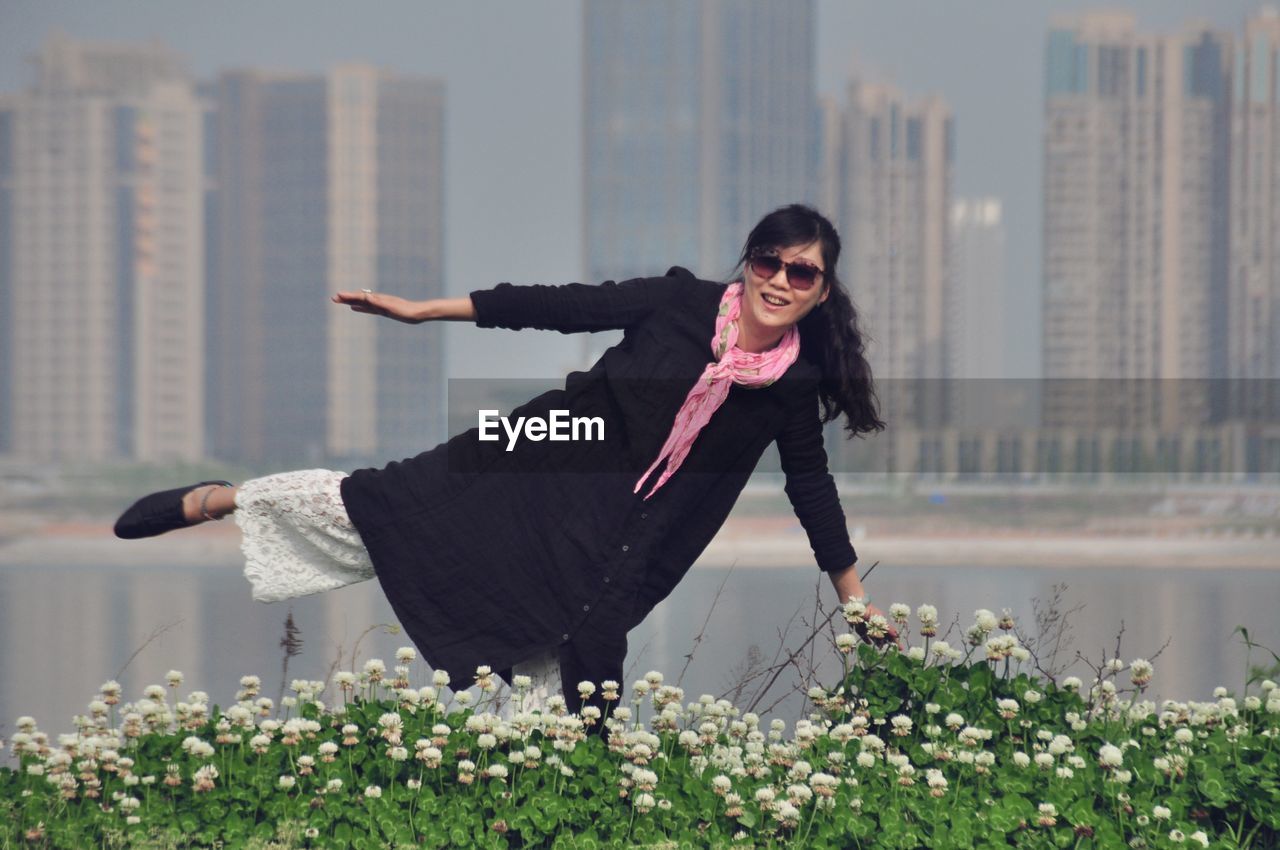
65,630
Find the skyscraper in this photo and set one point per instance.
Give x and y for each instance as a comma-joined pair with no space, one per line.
698,119
894,213
1136,153
325,183
1135,188
978,320
1254,323
101,250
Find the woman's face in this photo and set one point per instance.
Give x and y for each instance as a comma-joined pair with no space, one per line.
771,305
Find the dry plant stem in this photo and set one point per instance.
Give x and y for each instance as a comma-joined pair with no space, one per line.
157,632
757,671
355,650
697,639
775,670
1051,621
291,643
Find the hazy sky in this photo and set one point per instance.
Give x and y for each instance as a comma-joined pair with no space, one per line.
513,72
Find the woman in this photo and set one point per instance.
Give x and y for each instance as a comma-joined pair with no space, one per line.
497,552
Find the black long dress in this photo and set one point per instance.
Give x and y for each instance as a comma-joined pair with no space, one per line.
491,556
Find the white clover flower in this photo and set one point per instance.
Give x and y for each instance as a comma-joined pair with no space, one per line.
497,771
940,649
286,782
1072,683
644,802
845,642
406,654
333,785
985,620
1007,708
1110,756
1161,813
486,741
440,678
1031,696
463,698
174,678
373,791
1200,836
197,748
866,759
954,721
901,725
855,610
899,612
1044,761
398,754
799,794
1021,759
1065,772
1183,735
653,678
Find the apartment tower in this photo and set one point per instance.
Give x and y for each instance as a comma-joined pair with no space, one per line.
699,118
101,258
324,183
1136,138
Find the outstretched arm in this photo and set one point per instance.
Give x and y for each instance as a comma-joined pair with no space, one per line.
410,312
813,496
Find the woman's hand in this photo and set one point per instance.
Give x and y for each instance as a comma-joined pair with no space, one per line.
409,312
381,304
892,634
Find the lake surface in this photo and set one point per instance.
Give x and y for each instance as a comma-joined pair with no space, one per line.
64,630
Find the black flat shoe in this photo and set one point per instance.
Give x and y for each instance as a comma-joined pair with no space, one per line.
157,513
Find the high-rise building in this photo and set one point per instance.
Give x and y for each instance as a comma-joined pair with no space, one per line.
325,183
1254,322
978,321
1136,142
894,216
699,118
101,252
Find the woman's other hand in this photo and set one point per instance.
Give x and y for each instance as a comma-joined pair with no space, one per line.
381,304
404,310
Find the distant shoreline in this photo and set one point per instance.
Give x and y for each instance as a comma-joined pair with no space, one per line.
741,543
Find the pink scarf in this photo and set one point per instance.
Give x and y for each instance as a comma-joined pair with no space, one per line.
732,366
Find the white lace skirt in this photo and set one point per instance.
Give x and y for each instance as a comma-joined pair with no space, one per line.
298,540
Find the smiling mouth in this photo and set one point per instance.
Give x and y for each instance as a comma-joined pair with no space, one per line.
773,299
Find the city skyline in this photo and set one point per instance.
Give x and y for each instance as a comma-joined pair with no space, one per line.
515,216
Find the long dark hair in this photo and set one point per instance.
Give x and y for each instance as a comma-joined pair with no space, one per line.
829,335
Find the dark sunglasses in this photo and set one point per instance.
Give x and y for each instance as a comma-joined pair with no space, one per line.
801,276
